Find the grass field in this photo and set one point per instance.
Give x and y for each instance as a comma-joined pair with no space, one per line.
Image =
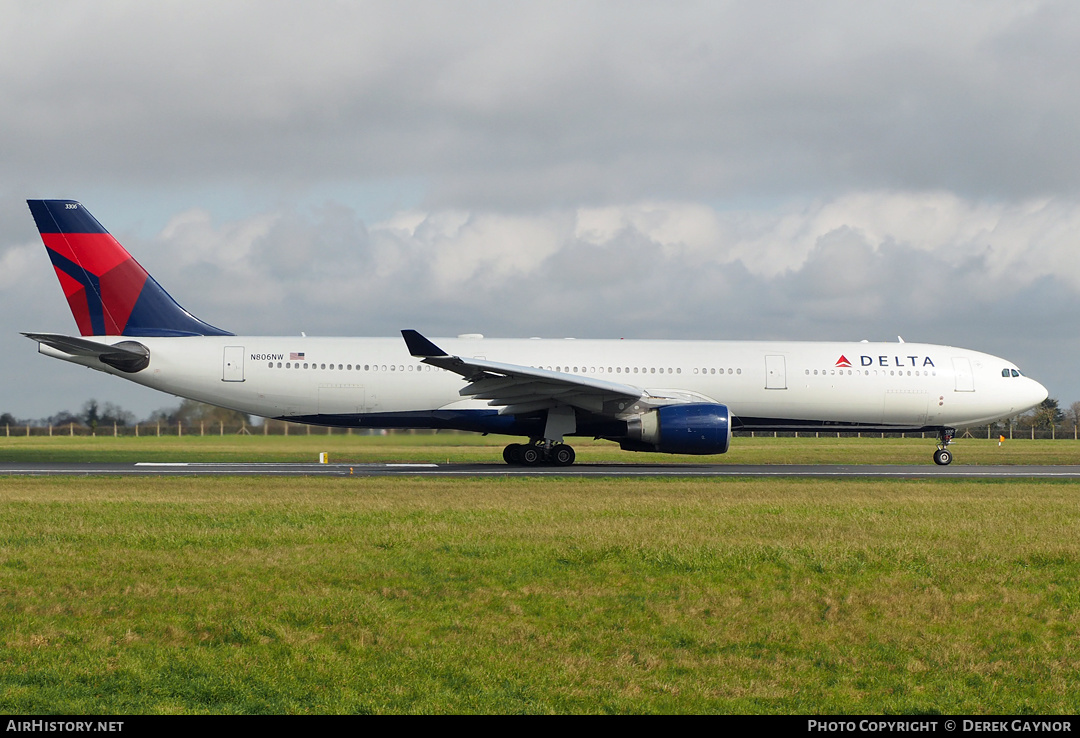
465,447
335,595
412,595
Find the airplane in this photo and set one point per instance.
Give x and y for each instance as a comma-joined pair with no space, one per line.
677,397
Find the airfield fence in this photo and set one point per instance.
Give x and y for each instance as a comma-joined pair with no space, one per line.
196,428
281,428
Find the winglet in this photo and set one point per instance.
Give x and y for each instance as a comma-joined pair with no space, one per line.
420,346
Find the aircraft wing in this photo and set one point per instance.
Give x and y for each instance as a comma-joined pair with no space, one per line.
127,356
521,389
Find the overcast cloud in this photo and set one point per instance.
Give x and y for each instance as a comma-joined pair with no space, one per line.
828,170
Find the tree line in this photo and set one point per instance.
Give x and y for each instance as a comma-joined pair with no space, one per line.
1049,416
96,415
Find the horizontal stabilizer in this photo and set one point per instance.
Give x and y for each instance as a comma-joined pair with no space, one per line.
127,356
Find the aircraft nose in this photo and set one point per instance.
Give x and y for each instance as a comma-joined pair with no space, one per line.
1026,394
1038,393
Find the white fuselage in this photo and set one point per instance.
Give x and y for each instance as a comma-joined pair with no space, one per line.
314,379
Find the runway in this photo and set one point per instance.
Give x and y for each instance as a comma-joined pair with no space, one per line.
502,470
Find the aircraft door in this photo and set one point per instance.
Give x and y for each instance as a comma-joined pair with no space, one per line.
232,369
775,372
965,380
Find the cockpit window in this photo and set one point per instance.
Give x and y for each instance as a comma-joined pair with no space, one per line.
1011,373
1004,372
1015,373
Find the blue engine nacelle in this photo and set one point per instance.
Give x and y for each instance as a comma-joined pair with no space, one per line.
703,428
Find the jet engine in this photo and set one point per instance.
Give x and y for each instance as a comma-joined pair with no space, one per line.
703,428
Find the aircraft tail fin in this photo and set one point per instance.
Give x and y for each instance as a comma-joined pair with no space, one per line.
108,292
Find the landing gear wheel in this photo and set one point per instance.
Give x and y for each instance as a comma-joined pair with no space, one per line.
943,456
562,455
512,454
530,455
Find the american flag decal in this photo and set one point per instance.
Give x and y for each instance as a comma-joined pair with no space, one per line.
293,356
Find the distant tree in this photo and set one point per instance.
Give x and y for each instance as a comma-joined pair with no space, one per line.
90,415
191,412
1074,414
63,418
1048,415
114,414
9,419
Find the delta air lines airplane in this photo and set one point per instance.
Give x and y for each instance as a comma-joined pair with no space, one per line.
678,397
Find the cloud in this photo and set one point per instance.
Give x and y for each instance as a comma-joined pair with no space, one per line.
656,268
548,104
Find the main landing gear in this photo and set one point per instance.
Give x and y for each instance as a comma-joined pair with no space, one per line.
537,453
943,456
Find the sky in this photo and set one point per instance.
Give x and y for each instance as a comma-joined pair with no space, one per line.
835,170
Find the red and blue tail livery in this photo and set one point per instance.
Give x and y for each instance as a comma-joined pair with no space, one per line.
109,293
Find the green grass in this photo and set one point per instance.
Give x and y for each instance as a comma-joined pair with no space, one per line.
218,595
465,447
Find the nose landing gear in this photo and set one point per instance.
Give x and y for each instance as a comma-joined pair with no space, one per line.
943,456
